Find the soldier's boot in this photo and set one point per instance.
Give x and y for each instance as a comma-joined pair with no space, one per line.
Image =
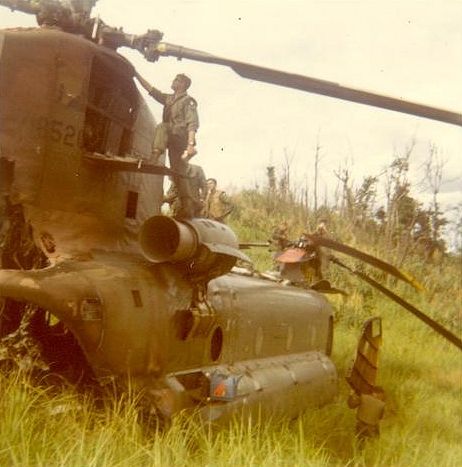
160,143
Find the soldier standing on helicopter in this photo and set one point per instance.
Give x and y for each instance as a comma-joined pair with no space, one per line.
198,185
177,133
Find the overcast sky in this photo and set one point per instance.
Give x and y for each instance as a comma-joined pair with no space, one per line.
407,49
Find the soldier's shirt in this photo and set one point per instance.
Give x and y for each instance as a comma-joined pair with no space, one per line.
218,205
197,181
180,111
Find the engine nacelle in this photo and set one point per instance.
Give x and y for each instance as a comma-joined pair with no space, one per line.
209,248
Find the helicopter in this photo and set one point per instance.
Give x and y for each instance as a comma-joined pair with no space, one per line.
112,290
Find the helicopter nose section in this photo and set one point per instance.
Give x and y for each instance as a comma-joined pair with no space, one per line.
66,295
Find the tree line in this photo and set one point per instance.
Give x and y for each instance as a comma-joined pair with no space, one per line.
395,222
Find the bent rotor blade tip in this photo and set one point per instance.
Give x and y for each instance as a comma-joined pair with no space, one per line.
412,281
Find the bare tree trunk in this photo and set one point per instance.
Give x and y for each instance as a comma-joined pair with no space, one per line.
433,177
315,188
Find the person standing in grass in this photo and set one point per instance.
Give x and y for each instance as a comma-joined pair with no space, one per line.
218,205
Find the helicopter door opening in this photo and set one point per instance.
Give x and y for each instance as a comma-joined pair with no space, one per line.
111,109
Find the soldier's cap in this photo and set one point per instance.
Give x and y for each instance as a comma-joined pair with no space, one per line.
186,79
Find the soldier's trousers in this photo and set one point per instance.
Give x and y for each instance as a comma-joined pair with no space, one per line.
160,143
177,145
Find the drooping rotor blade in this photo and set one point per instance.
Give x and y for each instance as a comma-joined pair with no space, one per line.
247,245
25,6
34,6
372,260
313,85
437,327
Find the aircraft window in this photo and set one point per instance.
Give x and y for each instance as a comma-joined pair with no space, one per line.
137,298
6,173
330,336
216,344
110,113
132,205
91,309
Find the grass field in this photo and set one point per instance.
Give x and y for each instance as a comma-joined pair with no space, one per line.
420,373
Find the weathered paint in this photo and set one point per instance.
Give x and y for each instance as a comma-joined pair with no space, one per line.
46,94
129,316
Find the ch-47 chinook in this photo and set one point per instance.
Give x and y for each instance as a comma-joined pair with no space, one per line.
109,287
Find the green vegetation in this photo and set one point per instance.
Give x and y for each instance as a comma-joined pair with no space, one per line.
420,372
422,425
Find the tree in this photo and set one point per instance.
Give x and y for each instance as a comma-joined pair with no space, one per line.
433,176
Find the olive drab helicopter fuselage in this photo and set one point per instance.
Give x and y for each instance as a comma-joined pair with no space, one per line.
113,290
66,102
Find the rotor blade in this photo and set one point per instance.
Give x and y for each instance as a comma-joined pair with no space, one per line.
313,85
372,260
437,327
25,6
247,245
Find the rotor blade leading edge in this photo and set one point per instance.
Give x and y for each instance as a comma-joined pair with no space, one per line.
437,327
372,260
313,85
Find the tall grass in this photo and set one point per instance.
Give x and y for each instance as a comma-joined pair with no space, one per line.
420,373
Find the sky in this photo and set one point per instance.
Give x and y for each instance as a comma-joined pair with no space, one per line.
407,49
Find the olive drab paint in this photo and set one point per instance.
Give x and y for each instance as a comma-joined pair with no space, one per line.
70,118
138,298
